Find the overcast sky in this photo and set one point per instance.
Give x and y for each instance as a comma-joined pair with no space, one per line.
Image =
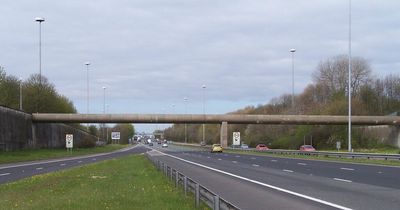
150,54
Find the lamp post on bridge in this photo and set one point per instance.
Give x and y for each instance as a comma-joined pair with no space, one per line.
87,90
185,100
104,105
204,111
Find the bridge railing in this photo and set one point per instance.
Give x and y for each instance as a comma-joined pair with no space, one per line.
201,193
348,155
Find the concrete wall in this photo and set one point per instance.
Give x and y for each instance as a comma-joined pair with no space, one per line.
18,132
385,134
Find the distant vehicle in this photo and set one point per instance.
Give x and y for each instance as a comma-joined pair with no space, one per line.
164,145
244,146
216,148
149,141
307,148
261,147
151,144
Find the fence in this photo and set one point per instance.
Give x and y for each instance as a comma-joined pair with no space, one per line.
200,192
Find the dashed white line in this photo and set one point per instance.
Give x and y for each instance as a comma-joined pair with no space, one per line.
5,174
255,165
234,161
342,180
253,158
219,159
208,157
63,164
285,170
379,172
80,161
94,159
237,156
39,168
303,164
347,169
274,161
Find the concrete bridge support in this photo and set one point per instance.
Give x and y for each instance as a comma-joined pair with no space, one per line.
224,134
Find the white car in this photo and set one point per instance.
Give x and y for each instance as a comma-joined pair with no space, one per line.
165,145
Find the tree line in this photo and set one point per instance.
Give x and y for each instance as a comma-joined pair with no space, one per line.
326,95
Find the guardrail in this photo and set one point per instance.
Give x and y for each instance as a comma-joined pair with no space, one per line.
200,192
352,155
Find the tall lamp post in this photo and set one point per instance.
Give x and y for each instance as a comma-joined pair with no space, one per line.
292,51
20,93
104,106
349,80
87,90
185,100
40,20
204,111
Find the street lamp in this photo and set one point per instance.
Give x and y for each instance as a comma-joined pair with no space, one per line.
349,81
87,89
40,20
204,111
104,107
185,100
292,51
20,93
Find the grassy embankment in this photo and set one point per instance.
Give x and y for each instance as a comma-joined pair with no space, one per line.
130,182
41,154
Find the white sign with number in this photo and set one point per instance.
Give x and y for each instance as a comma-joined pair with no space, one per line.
236,138
69,141
115,135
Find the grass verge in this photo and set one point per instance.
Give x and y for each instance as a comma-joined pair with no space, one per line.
130,182
41,154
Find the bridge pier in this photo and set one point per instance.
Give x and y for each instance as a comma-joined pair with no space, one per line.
224,134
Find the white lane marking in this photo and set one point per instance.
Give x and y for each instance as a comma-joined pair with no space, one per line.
237,156
274,161
5,174
39,168
255,165
234,161
93,158
342,180
253,158
285,170
64,159
80,161
263,184
347,169
208,157
63,164
219,159
379,172
303,164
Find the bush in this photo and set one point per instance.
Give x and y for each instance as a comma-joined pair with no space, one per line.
87,143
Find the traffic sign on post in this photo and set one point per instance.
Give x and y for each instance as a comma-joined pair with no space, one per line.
115,136
236,138
69,141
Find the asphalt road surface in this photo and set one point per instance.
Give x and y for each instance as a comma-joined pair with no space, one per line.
16,171
262,182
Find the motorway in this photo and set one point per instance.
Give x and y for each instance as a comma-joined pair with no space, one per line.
256,182
16,171
262,182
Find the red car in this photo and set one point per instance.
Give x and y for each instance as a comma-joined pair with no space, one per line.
307,148
261,147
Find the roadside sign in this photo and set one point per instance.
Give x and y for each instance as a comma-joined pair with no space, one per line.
115,135
236,138
338,145
69,141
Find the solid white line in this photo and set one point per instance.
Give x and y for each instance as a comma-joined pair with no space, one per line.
39,168
347,169
342,180
255,165
5,174
263,184
63,164
303,164
285,170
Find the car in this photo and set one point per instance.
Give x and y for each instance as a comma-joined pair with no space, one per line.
307,148
216,148
151,144
244,146
165,145
261,147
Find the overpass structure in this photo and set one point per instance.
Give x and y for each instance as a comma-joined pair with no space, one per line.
216,119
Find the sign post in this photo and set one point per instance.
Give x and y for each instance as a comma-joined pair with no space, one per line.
69,141
236,139
115,136
338,145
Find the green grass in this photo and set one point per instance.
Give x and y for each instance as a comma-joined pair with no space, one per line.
130,182
310,157
41,154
